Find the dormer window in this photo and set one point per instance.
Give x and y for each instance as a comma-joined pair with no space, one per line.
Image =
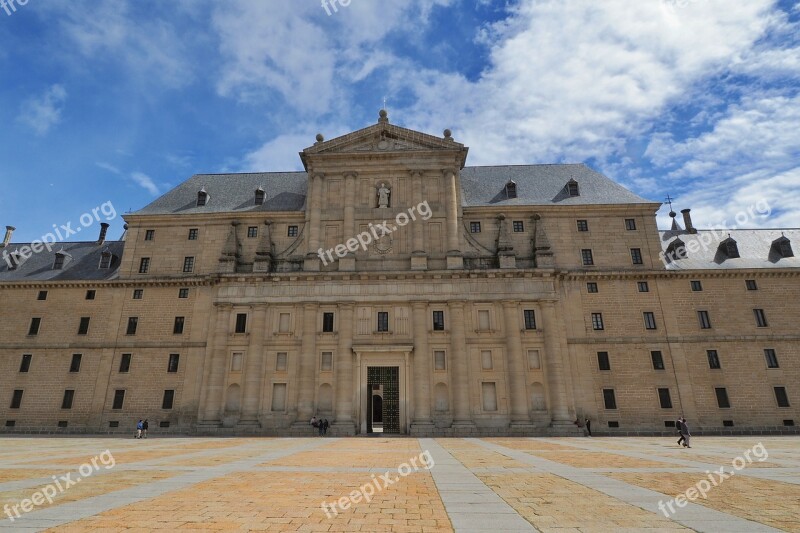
105,259
729,248
60,260
259,196
783,247
677,250
511,189
202,197
572,188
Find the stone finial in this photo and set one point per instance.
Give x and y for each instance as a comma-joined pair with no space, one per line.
448,135
384,117
320,138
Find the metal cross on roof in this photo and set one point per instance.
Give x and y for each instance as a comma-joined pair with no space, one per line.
669,201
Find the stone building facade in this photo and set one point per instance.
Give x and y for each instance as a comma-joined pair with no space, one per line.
493,300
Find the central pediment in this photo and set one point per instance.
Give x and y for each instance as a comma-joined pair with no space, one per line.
383,137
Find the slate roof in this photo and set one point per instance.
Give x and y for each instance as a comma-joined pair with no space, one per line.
755,249
83,265
482,186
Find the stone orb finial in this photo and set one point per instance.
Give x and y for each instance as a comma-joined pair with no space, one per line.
320,137
383,113
448,134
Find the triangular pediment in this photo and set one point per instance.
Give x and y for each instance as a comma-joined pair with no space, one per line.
383,137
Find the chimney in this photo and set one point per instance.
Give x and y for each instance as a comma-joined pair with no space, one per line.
103,230
7,239
687,221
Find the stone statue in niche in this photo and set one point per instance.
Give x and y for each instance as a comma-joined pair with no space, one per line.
383,196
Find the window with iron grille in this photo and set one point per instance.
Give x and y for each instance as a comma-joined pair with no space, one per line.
474,227
438,321
519,226
292,231
591,287
327,322
583,225
193,233
144,265
597,321
241,323
586,257
530,318
636,256
383,321
188,264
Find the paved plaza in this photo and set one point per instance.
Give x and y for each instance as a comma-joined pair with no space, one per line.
328,484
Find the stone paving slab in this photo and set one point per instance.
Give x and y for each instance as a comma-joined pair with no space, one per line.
493,484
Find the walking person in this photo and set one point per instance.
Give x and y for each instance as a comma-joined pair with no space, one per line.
139,427
145,425
314,422
321,426
325,426
588,425
686,433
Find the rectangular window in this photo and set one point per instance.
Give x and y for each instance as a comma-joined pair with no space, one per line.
34,327
327,322
281,362
586,257
609,400
105,260
713,359
489,391
144,265
781,397
636,256
169,399
172,364
125,363
643,286
597,321
133,323
438,321
177,329
530,318
603,362
383,321
664,399
25,364
188,264
58,264
696,286
771,357
722,398
279,397
241,323
761,318
119,399
252,232
583,225
69,396
483,320
75,365
291,232
649,320
751,284
16,399
42,296
327,362
284,322
630,224
149,235
83,327
705,321
183,293
591,287
486,359
439,360
138,294
658,359
90,294
193,234
519,226
474,227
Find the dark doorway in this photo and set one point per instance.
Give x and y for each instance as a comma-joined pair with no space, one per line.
383,410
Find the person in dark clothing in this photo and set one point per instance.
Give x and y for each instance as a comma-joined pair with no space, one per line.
588,425
145,425
681,431
325,426
321,426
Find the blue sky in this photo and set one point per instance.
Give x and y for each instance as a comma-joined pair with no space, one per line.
120,100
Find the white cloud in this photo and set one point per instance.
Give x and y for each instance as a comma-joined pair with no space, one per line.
42,112
107,166
146,182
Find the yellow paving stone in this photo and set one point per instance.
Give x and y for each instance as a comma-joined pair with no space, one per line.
18,474
527,444
474,456
586,459
774,503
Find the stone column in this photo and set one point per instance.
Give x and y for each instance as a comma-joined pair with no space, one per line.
462,412
254,366
313,205
344,368
554,361
308,365
422,368
216,377
348,263
454,258
419,259
516,366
